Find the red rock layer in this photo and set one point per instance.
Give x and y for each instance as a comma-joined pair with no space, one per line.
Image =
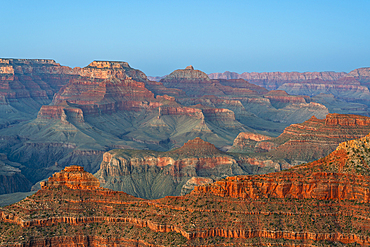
316,138
37,79
73,177
320,203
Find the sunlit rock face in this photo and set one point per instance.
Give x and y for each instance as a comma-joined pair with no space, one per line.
73,177
322,203
307,141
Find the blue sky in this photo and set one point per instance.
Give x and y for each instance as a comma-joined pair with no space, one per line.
158,37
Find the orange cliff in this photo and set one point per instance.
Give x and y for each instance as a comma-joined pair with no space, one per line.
309,140
73,177
322,203
35,80
342,175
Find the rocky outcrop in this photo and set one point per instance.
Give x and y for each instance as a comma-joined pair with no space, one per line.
251,143
280,98
309,140
158,174
322,203
26,84
194,181
342,175
73,177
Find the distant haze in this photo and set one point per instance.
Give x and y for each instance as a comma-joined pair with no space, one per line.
158,37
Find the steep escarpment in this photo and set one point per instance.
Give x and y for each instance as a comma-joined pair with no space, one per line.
323,203
342,175
149,174
307,141
73,177
32,80
26,85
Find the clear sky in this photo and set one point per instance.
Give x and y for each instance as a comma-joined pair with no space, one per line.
158,37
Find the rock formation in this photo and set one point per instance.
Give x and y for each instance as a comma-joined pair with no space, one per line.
73,177
323,203
149,174
197,83
26,85
306,141
351,87
109,105
251,143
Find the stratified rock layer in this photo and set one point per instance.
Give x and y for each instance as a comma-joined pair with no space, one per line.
149,174
73,177
323,203
307,141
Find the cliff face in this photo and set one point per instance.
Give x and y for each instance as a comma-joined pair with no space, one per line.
322,203
250,143
33,80
158,174
342,175
309,140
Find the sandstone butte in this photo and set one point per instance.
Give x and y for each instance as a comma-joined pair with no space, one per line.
307,141
323,203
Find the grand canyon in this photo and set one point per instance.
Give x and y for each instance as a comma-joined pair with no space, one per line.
105,155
